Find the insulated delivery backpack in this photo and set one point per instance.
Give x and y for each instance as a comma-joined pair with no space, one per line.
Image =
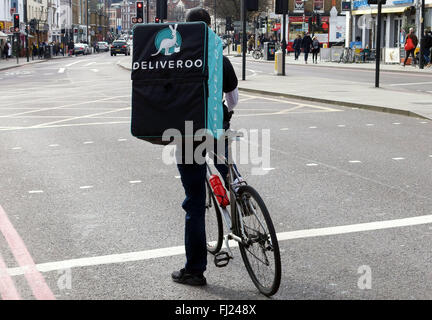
177,75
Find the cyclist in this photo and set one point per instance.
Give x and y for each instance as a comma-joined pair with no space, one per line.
193,178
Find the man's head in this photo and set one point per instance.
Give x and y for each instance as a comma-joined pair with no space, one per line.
198,14
411,30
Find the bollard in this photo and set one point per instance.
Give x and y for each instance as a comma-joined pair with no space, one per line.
278,63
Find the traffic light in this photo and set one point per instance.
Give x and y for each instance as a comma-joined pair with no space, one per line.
281,7
252,5
139,11
318,20
157,20
16,20
229,24
262,22
162,9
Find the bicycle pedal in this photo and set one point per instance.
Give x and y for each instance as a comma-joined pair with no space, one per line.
221,259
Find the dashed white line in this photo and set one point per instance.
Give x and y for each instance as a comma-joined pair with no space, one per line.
284,129
399,158
16,148
354,161
396,123
88,142
53,145
341,125
369,124
135,181
94,70
122,139
312,127
35,191
311,164
61,70
86,187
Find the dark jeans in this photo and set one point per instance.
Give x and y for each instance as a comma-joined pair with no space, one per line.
297,53
407,54
306,54
193,177
315,56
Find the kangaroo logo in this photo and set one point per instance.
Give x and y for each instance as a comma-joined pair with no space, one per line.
168,41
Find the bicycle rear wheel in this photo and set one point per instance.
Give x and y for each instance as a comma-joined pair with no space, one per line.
261,254
213,222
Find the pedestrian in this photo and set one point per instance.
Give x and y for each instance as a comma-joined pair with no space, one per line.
6,50
315,49
411,42
306,45
34,51
251,43
297,46
427,45
193,177
9,50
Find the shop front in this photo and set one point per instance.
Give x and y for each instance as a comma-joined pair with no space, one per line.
397,17
298,25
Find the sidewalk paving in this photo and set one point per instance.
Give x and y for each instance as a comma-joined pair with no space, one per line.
361,66
338,92
12,62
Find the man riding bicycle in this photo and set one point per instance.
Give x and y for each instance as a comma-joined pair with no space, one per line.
193,177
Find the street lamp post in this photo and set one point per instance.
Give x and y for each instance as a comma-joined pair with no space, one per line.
244,36
87,12
378,46
26,30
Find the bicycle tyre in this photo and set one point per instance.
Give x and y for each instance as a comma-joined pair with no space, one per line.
273,287
211,223
256,55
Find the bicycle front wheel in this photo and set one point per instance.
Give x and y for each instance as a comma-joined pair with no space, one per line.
260,252
213,222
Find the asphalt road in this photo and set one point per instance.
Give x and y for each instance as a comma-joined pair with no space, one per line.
100,214
398,81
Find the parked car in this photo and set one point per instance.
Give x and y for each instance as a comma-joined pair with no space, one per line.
120,46
102,46
81,48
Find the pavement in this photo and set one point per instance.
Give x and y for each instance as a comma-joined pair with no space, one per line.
98,213
22,61
342,92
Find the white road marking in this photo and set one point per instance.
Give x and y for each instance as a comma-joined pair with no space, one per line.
179,250
400,158
341,125
312,127
354,161
53,145
71,64
88,142
16,148
89,64
177,177
94,70
369,125
311,164
408,84
284,129
86,187
36,191
61,70
423,122
135,181
121,139
396,123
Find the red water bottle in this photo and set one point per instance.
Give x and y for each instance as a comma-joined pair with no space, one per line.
219,190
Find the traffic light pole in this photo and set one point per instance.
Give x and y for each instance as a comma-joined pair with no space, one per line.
26,30
148,11
378,47
283,42
422,37
244,40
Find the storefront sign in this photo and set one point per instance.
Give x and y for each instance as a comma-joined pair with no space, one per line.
298,6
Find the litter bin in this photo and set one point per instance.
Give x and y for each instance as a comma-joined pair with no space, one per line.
269,51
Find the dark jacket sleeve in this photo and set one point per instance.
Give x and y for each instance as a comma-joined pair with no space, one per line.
230,80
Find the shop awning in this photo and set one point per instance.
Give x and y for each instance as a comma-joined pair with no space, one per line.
375,10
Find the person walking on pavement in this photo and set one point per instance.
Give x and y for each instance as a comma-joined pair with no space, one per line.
193,178
315,49
6,50
297,46
411,42
306,45
427,45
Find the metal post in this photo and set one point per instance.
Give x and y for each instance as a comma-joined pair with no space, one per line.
244,39
422,37
378,46
87,11
283,42
17,46
148,11
26,30
215,16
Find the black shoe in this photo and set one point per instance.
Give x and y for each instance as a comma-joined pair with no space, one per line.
188,278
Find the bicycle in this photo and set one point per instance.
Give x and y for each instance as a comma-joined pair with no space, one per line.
257,53
249,224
